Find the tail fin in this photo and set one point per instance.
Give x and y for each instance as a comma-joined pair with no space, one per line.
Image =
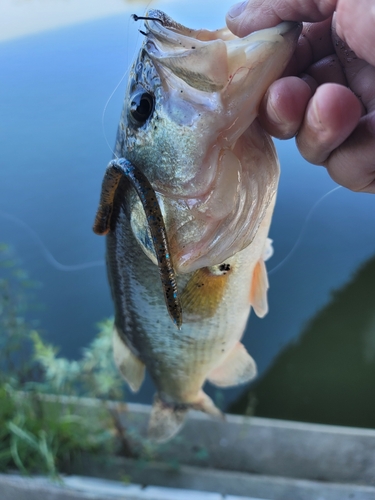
167,419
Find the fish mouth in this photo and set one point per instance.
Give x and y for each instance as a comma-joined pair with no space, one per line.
206,59
225,175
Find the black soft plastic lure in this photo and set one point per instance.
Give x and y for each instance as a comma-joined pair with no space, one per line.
116,170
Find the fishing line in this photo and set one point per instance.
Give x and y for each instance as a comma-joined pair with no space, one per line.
34,235
121,80
108,101
105,109
303,229
46,253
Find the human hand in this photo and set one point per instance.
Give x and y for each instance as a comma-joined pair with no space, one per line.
331,106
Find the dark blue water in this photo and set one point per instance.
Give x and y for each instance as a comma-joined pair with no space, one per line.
52,157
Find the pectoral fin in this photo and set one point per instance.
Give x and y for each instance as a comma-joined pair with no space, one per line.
259,284
131,368
258,291
237,368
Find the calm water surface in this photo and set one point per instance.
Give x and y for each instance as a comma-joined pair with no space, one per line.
53,155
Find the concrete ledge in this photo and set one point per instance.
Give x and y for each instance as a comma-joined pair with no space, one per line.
270,447
211,460
228,482
14,487
256,445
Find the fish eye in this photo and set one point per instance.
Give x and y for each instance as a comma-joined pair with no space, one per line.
141,108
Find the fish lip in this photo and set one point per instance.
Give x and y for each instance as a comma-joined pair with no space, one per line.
290,28
163,27
287,26
168,42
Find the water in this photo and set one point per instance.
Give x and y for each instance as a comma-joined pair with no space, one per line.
53,155
327,375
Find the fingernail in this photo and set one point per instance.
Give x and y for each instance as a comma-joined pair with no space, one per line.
273,115
236,10
314,117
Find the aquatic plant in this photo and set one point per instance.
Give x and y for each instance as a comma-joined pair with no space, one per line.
34,435
16,301
94,375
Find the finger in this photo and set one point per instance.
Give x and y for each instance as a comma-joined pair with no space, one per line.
328,70
283,107
331,116
314,44
245,17
359,74
353,164
355,26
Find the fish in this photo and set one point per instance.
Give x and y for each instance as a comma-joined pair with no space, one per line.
186,207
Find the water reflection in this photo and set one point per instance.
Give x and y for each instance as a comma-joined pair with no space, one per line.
327,375
53,155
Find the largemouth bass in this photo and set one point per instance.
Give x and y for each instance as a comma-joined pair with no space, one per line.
187,209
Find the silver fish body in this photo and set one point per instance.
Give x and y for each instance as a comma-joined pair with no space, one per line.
189,124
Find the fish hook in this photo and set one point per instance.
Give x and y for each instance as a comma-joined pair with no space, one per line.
140,18
123,168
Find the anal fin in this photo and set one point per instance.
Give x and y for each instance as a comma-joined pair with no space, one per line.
131,368
237,368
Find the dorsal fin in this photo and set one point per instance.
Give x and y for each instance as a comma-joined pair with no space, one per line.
165,420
